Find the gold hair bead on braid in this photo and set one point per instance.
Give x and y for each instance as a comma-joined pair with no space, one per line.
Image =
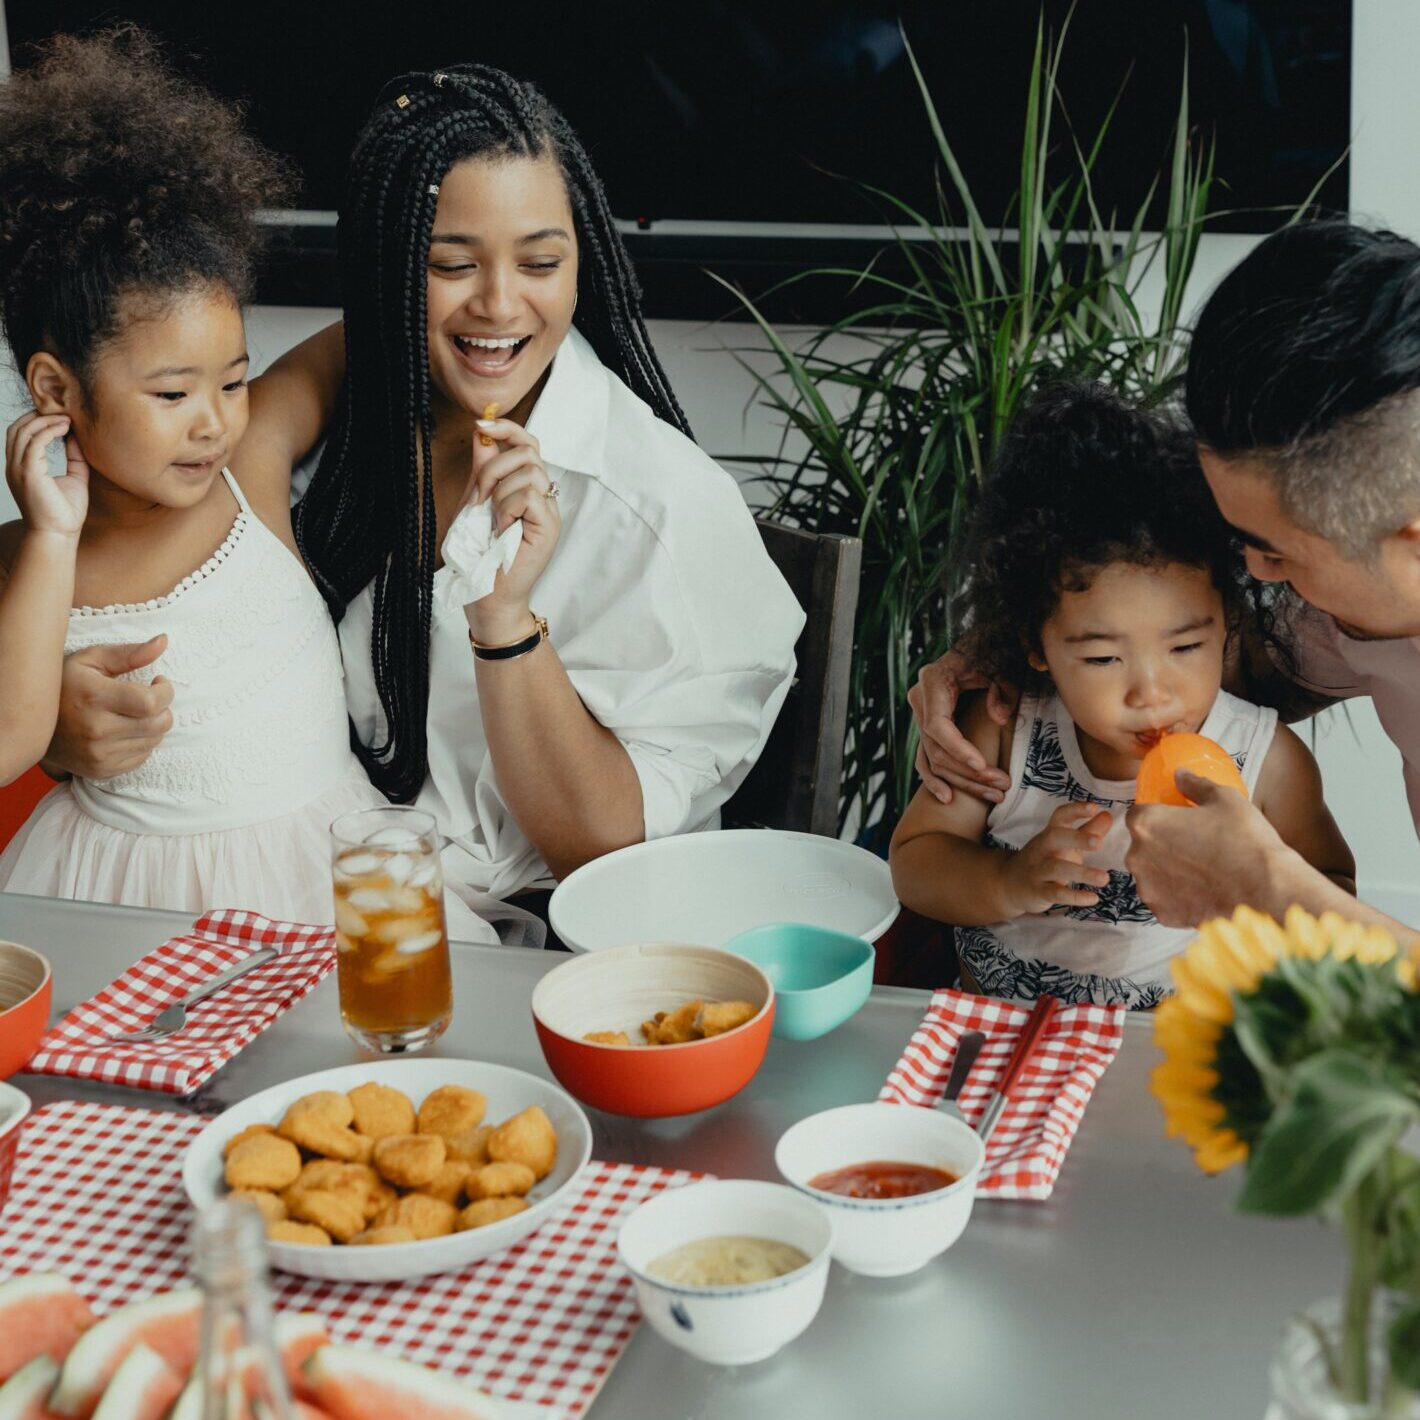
402,101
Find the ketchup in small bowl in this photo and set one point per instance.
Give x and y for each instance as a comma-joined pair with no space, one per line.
883,1180
890,1216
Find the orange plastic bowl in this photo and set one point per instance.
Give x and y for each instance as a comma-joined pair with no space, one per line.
24,1005
14,1108
1198,755
617,989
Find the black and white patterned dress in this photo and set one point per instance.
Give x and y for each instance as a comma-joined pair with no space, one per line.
1114,953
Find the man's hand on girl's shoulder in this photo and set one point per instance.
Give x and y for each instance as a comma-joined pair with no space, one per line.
947,760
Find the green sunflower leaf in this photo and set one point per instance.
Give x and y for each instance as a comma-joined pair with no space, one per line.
1344,1114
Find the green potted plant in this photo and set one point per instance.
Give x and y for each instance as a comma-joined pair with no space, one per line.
890,444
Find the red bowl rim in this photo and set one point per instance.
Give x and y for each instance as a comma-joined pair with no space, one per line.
10,1125
43,981
543,1024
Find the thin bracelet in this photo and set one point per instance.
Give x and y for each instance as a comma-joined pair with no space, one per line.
511,650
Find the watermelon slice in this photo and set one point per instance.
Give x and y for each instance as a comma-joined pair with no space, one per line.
189,1402
351,1384
40,1315
168,1325
22,1396
142,1388
298,1338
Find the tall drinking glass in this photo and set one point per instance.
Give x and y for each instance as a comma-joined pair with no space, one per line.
396,994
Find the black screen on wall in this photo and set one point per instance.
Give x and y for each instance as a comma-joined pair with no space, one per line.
742,110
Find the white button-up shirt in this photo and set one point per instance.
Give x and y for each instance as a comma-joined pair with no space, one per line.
674,625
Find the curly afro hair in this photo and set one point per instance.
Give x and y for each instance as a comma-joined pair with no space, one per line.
118,176
1083,480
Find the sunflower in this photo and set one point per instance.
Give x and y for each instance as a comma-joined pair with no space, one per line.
1212,1094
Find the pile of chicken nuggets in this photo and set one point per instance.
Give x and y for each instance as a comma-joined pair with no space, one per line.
366,1167
694,1020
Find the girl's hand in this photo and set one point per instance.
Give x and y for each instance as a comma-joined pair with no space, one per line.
1044,873
56,505
510,473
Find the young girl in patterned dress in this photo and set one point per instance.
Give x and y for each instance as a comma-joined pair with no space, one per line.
1104,585
127,237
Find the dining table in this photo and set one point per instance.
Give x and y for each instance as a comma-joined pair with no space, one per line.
1136,1290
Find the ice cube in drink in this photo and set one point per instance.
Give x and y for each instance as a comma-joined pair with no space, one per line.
393,960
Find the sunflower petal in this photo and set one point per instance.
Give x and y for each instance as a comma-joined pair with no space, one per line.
1221,1151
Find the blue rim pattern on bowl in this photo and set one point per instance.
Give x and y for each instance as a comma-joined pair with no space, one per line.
878,1205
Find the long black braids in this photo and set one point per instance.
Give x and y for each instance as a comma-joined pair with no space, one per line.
368,515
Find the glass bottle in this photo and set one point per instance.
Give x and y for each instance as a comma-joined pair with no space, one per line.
239,1368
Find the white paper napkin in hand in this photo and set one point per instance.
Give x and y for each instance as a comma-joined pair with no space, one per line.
473,555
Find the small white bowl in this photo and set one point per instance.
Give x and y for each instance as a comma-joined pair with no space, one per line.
892,1236
508,1091
729,1326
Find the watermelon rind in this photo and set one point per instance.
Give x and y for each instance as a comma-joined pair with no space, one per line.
22,1396
99,1351
354,1384
188,1405
142,1388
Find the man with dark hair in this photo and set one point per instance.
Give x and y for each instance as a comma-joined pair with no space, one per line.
1304,392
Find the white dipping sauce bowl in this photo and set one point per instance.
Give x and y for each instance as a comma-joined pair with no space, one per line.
728,1326
892,1236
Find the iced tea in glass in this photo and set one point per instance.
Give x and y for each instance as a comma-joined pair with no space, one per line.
396,994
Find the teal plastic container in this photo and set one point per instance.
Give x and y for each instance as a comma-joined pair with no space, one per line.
820,977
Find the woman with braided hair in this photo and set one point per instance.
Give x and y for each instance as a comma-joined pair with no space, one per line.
617,676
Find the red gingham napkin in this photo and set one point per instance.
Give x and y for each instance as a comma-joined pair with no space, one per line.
216,1028
1029,1142
98,1197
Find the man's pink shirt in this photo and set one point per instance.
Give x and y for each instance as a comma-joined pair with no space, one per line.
1388,671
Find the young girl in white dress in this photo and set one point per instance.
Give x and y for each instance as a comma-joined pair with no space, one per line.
125,251
1103,585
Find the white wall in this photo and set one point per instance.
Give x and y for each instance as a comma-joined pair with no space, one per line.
1360,765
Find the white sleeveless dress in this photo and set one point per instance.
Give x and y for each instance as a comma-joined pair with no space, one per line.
1116,952
233,807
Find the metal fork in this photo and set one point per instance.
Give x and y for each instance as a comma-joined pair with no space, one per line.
172,1019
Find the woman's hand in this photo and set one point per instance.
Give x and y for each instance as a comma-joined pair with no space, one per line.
945,757
106,725
48,505
510,473
1044,873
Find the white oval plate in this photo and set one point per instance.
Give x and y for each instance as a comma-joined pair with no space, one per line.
508,1091
709,887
